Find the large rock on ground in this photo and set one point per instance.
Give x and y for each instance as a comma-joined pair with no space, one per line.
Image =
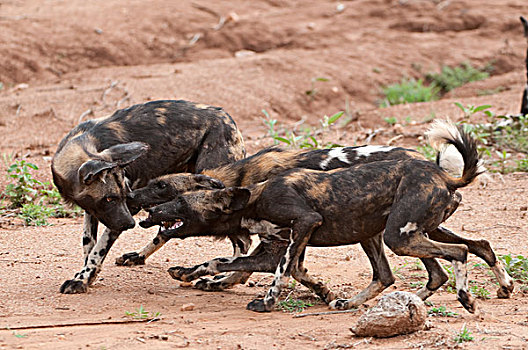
396,313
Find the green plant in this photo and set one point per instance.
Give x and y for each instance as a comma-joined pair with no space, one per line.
293,305
469,110
313,91
1,85
312,138
390,120
451,283
397,270
480,292
516,266
141,313
441,311
408,91
34,201
463,336
24,188
452,77
428,152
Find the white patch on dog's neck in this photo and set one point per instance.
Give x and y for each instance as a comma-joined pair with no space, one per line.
333,154
366,151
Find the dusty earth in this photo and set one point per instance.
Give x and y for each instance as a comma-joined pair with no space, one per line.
66,61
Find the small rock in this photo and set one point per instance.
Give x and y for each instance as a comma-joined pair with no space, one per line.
523,208
397,128
244,53
396,313
187,307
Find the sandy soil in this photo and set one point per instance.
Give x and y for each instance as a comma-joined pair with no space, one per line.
66,61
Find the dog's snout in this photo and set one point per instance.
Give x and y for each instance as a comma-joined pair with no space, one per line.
129,224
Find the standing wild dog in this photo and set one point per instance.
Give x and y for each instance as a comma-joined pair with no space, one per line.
260,167
398,202
101,160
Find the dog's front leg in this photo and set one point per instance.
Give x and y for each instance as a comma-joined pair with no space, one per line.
135,258
302,230
92,266
89,234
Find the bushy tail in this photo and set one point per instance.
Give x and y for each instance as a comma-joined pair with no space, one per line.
524,105
444,133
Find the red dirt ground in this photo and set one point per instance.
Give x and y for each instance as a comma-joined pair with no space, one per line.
65,61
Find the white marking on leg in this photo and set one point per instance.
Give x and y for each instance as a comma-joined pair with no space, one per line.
366,151
335,153
408,228
460,272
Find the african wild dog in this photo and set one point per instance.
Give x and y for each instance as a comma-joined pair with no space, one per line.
256,168
101,160
260,167
524,105
398,202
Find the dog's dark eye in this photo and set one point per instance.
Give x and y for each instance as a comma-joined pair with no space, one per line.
162,185
110,199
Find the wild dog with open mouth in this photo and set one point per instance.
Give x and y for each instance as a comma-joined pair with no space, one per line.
256,168
398,202
260,167
101,160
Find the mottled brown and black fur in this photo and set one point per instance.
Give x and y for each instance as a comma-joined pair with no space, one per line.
256,168
101,160
399,202
260,167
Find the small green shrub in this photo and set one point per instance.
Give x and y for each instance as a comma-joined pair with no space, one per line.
408,91
308,137
452,77
516,266
33,201
463,336
441,311
293,305
141,313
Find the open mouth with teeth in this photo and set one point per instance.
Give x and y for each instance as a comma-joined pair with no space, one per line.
165,226
171,225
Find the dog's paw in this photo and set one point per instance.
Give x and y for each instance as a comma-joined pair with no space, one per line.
211,285
467,301
505,292
130,259
73,287
258,305
178,273
339,304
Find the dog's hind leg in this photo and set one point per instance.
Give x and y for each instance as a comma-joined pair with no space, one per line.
483,250
404,235
437,277
382,276
82,279
89,234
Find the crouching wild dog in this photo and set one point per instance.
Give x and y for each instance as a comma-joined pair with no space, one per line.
101,160
398,202
260,167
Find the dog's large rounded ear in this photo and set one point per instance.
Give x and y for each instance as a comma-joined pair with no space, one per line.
239,197
90,169
205,182
125,153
